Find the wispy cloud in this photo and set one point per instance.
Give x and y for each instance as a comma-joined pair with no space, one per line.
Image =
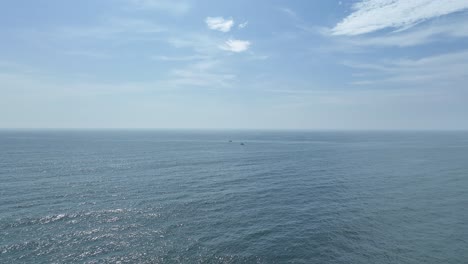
301,24
373,15
259,57
179,58
445,70
437,31
113,27
207,73
219,23
88,53
235,45
203,44
37,83
288,11
175,7
243,25
10,66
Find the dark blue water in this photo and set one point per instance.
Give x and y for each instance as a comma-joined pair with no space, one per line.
194,197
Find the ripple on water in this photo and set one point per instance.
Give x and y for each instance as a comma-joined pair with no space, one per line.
284,198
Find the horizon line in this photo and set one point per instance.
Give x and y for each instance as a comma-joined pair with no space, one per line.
236,129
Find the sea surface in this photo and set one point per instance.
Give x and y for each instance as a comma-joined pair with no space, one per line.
194,197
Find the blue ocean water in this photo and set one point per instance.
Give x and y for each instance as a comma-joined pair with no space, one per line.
195,197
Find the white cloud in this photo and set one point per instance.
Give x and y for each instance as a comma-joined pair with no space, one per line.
243,25
235,45
175,7
373,15
219,23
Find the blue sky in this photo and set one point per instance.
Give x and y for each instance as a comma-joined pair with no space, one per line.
371,64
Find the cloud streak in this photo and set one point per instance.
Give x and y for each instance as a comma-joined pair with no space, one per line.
114,27
441,30
445,70
420,36
179,58
291,13
373,15
207,73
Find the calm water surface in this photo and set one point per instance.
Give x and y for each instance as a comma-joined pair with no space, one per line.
195,197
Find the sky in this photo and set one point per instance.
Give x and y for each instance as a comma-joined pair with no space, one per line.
215,64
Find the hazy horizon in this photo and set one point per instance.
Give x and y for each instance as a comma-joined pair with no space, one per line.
224,129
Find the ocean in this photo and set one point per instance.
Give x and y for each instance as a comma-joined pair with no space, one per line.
185,196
